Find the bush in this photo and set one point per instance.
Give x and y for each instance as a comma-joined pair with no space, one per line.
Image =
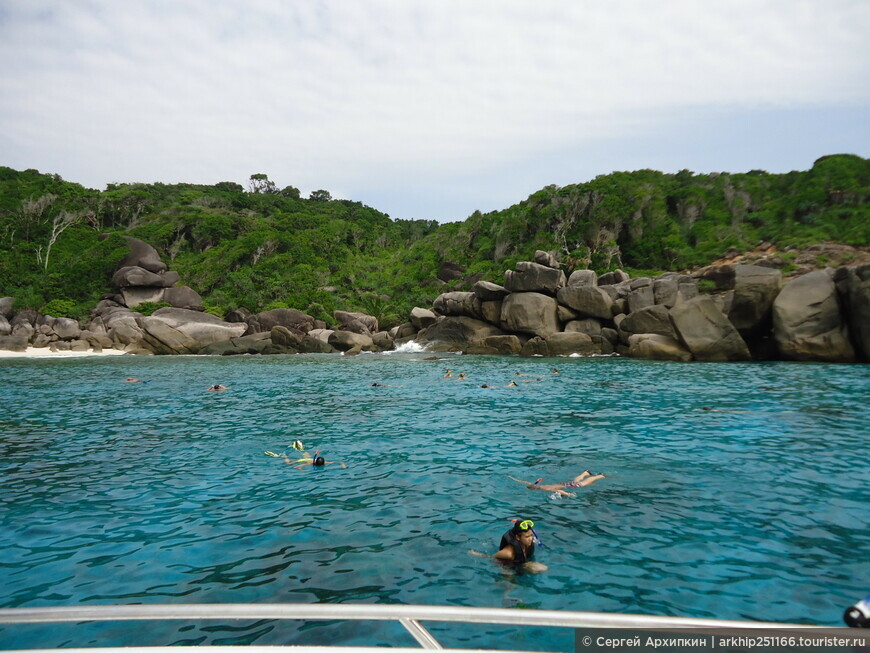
62,308
148,308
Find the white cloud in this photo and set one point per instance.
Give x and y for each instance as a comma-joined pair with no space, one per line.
344,95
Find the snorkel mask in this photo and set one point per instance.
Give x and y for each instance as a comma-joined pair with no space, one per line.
529,525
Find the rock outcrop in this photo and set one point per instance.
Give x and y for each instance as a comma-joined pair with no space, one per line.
807,322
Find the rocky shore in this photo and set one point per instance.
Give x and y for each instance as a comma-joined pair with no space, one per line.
726,312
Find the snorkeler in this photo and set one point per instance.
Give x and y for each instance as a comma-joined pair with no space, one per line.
512,384
449,374
517,547
314,461
581,480
130,379
384,385
216,387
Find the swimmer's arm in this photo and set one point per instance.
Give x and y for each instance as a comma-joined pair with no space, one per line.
506,553
343,466
526,483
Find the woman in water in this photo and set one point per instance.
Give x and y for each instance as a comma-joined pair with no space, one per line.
315,461
517,547
581,480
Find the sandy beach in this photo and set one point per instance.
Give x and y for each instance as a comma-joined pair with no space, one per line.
44,352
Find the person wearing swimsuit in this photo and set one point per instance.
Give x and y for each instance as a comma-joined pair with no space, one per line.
581,480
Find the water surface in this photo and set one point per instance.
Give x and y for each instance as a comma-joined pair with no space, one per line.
160,492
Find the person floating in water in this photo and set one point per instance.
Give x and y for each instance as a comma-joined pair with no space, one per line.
449,374
216,387
512,384
555,371
130,379
313,461
517,547
384,385
581,480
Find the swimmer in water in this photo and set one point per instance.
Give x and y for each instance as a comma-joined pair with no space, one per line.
131,380
216,387
581,480
517,547
449,374
313,461
512,384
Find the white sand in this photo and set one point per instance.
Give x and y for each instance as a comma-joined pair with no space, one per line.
45,352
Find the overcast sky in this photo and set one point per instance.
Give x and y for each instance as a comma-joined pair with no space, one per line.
432,108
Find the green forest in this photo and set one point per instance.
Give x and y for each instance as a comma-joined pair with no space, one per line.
262,247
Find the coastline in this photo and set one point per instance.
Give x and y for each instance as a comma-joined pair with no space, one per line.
45,352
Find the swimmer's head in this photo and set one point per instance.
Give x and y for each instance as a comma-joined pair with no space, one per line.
522,525
484,386
319,461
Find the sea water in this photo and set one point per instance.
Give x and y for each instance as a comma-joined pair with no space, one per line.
160,492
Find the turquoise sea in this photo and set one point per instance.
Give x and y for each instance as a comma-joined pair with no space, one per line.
159,492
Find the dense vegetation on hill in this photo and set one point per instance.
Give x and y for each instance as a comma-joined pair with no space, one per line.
266,248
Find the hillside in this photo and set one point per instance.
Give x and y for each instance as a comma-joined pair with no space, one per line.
262,247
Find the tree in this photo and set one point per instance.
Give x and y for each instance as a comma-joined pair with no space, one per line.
259,183
320,196
290,191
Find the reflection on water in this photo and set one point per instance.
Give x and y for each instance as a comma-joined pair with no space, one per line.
160,492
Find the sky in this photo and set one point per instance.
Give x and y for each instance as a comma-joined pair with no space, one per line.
428,109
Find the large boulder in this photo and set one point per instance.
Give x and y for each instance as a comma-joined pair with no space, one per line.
533,277
348,340
124,332
536,346
652,346
313,345
807,323
504,344
565,344
449,271
487,291
706,332
588,301
640,298
721,275
196,330
547,259
491,311
458,303
665,291
6,307
653,319
583,278
162,338
5,327
613,278
422,317
14,343
530,312
755,289
456,333
135,295
356,322
66,328
183,297
854,285
142,255
590,326
283,337
291,318
133,275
